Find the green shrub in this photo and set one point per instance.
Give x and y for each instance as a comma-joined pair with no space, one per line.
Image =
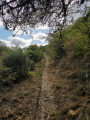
77,39
56,47
4,50
7,76
52,114
32,65
30,75
34,53
17,62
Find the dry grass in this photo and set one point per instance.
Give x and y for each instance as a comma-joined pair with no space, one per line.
21,100
72,104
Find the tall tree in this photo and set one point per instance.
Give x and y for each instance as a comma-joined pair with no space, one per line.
30,12
17,43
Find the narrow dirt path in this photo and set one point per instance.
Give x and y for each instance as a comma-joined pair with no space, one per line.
47,104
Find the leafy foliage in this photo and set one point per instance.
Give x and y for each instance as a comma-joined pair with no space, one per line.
75,40
73,48
3,49
19,62
78,36
34,53
31,12
56,48
7,77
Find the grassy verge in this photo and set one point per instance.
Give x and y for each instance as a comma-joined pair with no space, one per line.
71,90
21,100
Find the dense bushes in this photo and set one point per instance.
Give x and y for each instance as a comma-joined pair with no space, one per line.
55,48
7,77
73,48
34,54
16,60
75,41
4,50
79,36
17,63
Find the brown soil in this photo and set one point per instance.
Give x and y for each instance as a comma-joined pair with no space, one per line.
61,95
47,103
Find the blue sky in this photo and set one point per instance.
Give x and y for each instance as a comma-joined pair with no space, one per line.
38,36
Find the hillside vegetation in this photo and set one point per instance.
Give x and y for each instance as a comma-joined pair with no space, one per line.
67,74
72,45
20,82
18,64
70,50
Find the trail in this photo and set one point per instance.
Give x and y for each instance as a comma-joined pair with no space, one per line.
46,103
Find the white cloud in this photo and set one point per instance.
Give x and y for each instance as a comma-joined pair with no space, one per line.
1,24
18,30
43,44
18,41
6,42
42,27
15,38
22,42
39,36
